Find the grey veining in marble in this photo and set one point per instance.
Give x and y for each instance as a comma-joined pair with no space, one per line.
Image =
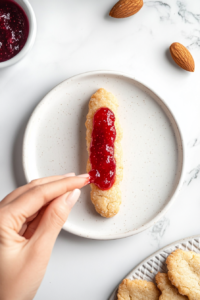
163,9
186,15
158,231
193,174
194,142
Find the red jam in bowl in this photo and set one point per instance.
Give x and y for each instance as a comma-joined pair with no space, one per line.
102,149
14,29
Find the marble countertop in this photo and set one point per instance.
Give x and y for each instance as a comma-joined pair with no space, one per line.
78,36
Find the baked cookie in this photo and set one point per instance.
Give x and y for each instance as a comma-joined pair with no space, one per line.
169,292
106,202
184,272
137,290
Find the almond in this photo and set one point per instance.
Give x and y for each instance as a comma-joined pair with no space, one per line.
182,57
126,8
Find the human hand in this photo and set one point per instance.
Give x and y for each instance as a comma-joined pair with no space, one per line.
31,218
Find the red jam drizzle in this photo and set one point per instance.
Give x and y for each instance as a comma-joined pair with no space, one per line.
102,149
14,29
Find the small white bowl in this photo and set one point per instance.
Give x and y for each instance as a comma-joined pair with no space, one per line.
25,5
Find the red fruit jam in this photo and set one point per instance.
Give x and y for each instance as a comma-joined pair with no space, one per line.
14,29
102,149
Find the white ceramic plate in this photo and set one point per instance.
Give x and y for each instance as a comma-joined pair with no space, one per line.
155,263
153,155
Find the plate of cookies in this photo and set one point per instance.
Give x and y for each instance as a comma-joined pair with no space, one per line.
124,135
171,273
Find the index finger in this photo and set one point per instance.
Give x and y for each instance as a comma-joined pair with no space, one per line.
31,201
22,189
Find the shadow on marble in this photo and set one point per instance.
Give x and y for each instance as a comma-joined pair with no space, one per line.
17,155
67,236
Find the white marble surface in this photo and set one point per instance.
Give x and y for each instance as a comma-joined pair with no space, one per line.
78,36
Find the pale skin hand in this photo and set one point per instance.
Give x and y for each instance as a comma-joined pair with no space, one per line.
31,218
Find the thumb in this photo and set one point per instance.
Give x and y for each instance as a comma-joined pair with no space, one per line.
54,218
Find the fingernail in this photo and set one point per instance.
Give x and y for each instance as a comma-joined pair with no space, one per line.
87,176
69,175
72,197
84,175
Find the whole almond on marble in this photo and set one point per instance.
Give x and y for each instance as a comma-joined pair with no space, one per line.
182,57
126,8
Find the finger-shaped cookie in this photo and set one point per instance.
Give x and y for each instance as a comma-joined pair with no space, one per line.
184,272
137,290
105,165
169,292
